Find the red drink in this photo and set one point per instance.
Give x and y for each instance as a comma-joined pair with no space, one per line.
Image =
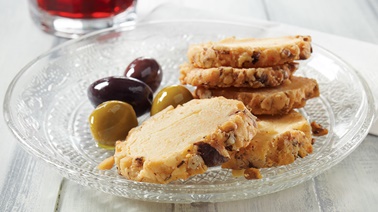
84,9
73,18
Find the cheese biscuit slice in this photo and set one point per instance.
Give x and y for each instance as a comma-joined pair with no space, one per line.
237,77
280,140
180,142
250,52
268,101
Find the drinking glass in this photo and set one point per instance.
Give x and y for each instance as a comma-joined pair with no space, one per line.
72,18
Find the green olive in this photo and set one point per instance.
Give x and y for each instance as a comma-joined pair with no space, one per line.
111,121
172,95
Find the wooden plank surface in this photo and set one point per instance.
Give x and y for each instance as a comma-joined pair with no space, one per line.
360,170
75,197
347,18
27,184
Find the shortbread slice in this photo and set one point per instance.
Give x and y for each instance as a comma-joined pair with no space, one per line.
280,140
236,77
182,142
268,101
250,52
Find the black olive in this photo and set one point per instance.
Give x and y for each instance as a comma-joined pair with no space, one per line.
129,90
147,70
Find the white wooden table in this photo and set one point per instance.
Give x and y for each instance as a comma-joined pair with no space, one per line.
28,184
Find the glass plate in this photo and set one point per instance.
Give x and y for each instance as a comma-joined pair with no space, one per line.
46,107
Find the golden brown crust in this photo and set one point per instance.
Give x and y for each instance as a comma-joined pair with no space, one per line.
181,142
237,77
250,52
318,129
268,101
279,141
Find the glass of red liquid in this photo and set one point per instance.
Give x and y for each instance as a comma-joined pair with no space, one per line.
72,18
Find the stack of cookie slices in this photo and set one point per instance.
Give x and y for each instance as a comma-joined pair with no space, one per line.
236,80
260,73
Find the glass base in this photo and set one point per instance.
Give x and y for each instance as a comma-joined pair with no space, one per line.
72,28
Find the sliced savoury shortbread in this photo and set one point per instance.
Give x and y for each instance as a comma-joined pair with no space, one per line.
268,101
250,52
177,143
236,77
279,141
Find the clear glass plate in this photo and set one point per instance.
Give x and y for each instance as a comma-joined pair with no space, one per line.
46,107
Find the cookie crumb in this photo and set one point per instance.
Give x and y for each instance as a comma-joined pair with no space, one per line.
238,172
318,130
252,174
106,164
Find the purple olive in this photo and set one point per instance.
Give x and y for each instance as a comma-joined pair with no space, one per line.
147,70
125,89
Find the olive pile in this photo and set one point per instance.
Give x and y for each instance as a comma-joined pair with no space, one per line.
119,100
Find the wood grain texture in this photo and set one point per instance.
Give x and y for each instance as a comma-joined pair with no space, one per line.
29,185
26,184
74,197
352,184
298,198
14,54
